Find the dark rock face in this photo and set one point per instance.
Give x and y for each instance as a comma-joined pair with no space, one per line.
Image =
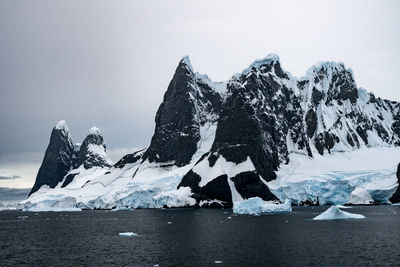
68,179
398,171
311,122
57,159
217,189
249,185
396,196
130,158
92,151
330,94
256,119
188,103
62,156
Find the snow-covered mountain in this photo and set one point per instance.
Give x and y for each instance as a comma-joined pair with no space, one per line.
217,143
63,160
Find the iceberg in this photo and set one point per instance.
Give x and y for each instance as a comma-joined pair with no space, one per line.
257,206
334,213
127,234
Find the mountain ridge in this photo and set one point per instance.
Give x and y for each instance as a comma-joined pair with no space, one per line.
224,142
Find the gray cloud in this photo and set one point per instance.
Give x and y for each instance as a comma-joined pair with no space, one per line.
13,194
108,64
11,177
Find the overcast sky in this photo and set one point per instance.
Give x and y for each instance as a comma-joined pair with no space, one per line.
108,63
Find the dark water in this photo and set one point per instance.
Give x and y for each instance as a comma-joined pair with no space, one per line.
199,238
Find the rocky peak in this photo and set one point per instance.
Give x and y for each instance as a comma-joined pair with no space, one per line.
92,152
267,65
189,103
329,81
57,159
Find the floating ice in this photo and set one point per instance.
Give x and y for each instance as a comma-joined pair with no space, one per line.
54,209
256,206
334,213
127,234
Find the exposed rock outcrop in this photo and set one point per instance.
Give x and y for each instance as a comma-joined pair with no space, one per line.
57,160
62,157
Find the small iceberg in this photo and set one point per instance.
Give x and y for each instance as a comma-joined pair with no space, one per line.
334,213
127,234
257,206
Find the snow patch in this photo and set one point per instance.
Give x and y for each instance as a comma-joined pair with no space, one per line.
62,125
95,131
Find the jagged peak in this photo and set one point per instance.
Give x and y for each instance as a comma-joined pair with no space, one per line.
62,125
270,58
329,67
185,61
219,87
94,131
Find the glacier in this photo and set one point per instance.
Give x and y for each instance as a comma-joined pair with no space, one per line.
331,179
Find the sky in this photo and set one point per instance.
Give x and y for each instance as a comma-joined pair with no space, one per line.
108,63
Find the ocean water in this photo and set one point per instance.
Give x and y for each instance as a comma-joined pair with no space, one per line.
199,237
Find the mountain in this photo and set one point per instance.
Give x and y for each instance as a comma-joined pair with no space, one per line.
251,136
57,159
189,103
62,158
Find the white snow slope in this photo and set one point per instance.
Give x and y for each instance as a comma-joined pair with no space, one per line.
332,178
